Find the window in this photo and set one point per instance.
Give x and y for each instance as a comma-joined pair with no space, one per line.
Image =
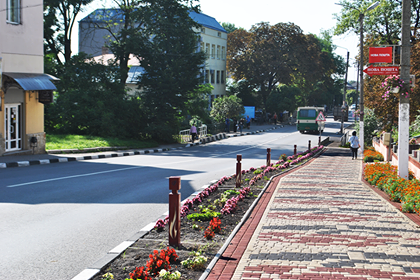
307,113
212,76
218,52
207,78
219,34
213,49
202,46
218,77
223,78
203,30
223,53
208,49
13,11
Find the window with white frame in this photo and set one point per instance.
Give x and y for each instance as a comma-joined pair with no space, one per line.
212,76
208,49
223,53
13,11
218,77
213,50
218,52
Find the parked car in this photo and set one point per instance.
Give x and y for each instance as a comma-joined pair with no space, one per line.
353,107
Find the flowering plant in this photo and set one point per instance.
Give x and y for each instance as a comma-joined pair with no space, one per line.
167,275
140,273
391,83
161,260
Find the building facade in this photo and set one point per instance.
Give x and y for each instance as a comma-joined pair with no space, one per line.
93,40
24,88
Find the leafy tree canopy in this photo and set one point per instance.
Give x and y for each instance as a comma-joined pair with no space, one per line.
226,107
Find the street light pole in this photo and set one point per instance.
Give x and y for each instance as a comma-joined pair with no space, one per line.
361,118
404,110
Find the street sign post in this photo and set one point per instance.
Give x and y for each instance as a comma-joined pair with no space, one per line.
382,70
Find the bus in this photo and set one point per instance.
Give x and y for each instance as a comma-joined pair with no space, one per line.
306,119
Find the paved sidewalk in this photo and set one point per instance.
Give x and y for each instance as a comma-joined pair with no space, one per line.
322,222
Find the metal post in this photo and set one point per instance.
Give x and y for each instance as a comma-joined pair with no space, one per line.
404,110
268,157
238,170
362,112
319,141
344,93
309,144
174,211
295,150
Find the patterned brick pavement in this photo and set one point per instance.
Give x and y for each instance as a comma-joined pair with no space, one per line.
322,222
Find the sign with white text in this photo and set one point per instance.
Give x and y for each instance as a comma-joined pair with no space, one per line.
382,70
380,55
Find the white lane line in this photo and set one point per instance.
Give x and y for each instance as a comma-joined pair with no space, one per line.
73,176
129,168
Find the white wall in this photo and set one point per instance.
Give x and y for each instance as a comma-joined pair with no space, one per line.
21,45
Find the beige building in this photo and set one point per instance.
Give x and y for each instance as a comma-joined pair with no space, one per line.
24,86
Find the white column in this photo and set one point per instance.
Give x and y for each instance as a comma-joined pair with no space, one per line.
403,135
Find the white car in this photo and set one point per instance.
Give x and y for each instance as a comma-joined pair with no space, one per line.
353,107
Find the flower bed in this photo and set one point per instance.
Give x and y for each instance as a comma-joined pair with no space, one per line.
207,221
370,155
384,177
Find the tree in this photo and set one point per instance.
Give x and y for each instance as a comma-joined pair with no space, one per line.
284,98
226,107
229,27
86,103
245,92
125,32
267,56
59,20
171,64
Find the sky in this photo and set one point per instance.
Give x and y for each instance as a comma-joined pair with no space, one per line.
310,15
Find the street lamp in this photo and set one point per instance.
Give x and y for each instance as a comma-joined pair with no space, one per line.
344,91
362,103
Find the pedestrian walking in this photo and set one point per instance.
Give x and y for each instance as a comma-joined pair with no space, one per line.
248,122
241,125
193,132
354,145
275,118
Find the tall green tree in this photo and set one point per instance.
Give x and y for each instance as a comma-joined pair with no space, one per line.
229,27
59,20
171,64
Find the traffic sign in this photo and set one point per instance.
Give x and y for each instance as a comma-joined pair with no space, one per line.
320,117
382,70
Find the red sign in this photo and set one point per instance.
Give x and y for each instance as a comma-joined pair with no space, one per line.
382,70
380,55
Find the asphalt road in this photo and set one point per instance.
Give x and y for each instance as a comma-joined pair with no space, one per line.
57,219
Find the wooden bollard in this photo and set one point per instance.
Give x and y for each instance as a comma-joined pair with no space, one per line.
295,150
174,211
268,157
238,170
309,144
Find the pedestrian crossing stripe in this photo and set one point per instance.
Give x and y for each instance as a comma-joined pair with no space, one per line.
320,117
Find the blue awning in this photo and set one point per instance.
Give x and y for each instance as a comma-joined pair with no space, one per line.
30,81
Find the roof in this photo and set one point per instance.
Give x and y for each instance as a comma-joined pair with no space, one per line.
30,81
105,58
100,14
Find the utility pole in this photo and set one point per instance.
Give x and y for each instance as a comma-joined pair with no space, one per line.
344,93
362,103
404,110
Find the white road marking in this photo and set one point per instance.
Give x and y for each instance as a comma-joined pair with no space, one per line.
129,168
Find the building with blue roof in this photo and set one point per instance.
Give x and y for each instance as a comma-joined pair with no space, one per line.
94,40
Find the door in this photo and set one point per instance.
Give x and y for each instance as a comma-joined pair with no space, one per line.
12,125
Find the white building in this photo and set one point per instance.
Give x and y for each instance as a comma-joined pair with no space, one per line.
93,41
